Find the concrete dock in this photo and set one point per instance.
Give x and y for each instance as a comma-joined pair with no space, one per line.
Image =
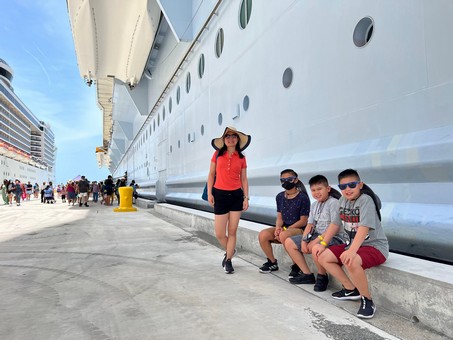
90,273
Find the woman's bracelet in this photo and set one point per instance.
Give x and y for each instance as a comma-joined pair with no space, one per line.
246,198
323,243
321,238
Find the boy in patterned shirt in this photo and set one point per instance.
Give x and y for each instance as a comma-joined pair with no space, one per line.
293,207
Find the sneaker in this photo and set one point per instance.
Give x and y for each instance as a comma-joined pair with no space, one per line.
321,283
224,257
302,279
295,270
86,204
346,294
367,308
229,267
269,266
80,204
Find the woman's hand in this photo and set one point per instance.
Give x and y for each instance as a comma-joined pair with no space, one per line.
211,200
245,204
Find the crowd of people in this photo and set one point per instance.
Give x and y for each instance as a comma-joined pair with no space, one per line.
74,192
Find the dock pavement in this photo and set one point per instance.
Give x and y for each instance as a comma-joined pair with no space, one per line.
70,272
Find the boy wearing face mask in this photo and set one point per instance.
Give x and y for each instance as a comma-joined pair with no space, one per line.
293,208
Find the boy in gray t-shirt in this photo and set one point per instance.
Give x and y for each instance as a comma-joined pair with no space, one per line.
324,213
367,245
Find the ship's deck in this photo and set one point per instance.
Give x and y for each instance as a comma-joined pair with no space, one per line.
90,273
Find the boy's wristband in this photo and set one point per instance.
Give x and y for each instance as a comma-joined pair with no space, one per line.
323,243
321,238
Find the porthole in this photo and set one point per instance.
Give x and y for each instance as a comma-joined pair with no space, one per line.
246,103
163,114
178,95
146,134
188,137
287,78
245,13
220,119
188,81
179,144
154,125
158,119
170,105
202,130
219,41
363,32
171,148
201,66
150,130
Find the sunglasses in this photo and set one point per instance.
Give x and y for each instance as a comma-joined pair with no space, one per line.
287,179
352,185
231,136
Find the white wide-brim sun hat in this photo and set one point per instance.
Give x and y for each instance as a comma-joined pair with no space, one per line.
244,140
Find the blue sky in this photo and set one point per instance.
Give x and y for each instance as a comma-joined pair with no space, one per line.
36,41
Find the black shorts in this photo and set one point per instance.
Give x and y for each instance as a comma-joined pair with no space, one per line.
226,200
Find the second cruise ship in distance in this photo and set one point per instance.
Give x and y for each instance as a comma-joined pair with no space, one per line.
321,86
27,144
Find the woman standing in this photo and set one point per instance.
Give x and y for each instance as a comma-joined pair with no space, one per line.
18,192
35,190
4,191
228,189
70,189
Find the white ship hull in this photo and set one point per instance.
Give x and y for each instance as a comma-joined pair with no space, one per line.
385,109
12,169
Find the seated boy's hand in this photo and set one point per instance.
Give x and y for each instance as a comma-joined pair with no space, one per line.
304,247
347,257
318,249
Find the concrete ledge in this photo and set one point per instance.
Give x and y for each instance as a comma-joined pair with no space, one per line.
144,203
415,289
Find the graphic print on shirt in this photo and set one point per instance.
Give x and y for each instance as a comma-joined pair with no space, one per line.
351,221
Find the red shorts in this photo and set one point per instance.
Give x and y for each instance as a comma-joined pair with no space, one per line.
370,256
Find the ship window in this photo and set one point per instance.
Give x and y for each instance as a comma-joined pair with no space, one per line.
146,134
219,41
246,103
245,13
179,144
201,66
363,32
202,130
158,119
171,148
220,119
287,78
154,125
150,130
163,114
178,95
188,137
188,81
170,105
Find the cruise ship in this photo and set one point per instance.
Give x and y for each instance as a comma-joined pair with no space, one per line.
27,144
321,86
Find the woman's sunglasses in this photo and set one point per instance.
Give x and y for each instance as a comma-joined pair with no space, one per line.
352,185
231,136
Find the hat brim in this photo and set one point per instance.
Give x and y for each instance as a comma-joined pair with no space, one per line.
244,140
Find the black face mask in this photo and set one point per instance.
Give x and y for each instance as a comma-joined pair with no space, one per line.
288,185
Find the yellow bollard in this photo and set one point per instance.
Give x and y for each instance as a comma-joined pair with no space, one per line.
125,200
